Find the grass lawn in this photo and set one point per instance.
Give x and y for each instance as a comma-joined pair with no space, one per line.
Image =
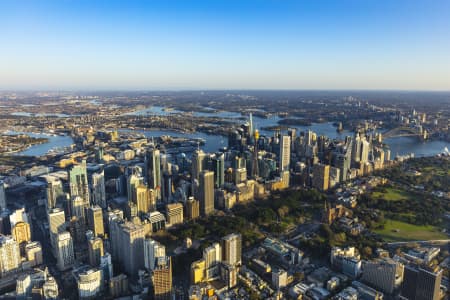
392,194
396,231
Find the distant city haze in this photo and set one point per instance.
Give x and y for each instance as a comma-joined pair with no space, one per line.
225,44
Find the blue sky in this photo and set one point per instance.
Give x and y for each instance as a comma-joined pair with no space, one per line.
225,44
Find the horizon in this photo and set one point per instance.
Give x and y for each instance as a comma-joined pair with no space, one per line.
225,45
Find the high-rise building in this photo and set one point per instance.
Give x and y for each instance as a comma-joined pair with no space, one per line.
174,213
65,255
128,246
78,208
50,289
198,163
9,255
212,255
33,253
421,283
144,199
2,196
153,170
321,177
95,220
21,233
98,189
89,282
133,181
285,152
232,249
383,274
57,224
219,170
365,149
192,209
95,249
206,192
79,187
152,250
162,279
55,193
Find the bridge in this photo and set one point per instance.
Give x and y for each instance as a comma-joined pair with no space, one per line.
406,131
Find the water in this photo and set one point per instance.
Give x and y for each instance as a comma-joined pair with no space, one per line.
42,149
399,145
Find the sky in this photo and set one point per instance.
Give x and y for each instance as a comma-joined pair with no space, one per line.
225,44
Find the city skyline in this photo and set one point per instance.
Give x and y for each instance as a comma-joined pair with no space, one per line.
331,45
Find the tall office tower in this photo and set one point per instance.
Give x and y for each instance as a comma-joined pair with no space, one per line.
9,255
421,283
95,220
143,201
384,274
77,229
153,170
78,182
206,192
133,181
167,187
321,177
19,215
250,127
365,149
57,224
198,163
356,151
21,233
95,249
342,160
219,169
130,247
98,189
212,255
2,196
33,253
232,249
152,250
162,279
55,193
285,152
192,209
309,137
78,208
99,154
65,257
255,163
107,266
174,213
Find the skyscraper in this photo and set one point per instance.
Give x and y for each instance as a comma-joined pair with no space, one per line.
9,255
133,181
95,251
285,152
21,233
232,249
198,163
143,200
128,246
321,177
79,187
192,209
153,170
78,207
95,220
152,250
421,283
55,193
65,257
219,170
57,224
98,189
2,196
162,279
206,192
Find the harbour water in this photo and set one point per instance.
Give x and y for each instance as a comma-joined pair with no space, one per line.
398,146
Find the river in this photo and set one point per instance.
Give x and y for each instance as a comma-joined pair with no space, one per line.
398,146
